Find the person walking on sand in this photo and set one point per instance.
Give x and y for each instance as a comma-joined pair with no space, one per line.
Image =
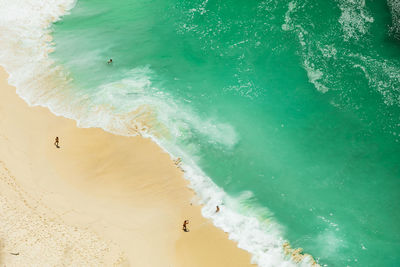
185,223
57,142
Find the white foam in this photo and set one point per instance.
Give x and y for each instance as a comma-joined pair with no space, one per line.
394,6
354,19
262,239
25,45
314,74
288,25
24,54
382,75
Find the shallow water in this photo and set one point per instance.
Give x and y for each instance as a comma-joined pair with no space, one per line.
291,107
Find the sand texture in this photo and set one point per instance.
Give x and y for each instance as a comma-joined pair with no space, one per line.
98,200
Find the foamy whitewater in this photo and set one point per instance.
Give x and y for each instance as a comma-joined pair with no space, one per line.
24,53
284,113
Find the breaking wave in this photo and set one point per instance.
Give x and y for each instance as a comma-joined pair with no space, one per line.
131,106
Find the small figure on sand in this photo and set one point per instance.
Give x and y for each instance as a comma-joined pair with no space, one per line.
185,223
110,61
57,142
217,210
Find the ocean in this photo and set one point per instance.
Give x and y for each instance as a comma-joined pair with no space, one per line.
286,114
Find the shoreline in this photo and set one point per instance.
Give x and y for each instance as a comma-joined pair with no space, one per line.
39,83
124,194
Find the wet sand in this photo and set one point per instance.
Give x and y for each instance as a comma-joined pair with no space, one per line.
99,199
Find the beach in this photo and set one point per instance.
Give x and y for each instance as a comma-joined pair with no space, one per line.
273,127
98,200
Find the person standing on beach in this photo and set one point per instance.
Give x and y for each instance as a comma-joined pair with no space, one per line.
186,222
57,142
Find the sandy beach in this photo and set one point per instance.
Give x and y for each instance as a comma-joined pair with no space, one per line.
98,200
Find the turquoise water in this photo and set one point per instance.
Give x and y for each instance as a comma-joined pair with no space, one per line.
289,106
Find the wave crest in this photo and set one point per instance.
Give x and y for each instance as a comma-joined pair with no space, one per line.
150,112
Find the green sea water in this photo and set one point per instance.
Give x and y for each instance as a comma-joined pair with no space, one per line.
291,107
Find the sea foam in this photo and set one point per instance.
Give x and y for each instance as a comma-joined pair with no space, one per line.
394,6
354,19
24,53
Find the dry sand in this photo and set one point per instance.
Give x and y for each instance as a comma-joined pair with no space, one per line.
98,200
